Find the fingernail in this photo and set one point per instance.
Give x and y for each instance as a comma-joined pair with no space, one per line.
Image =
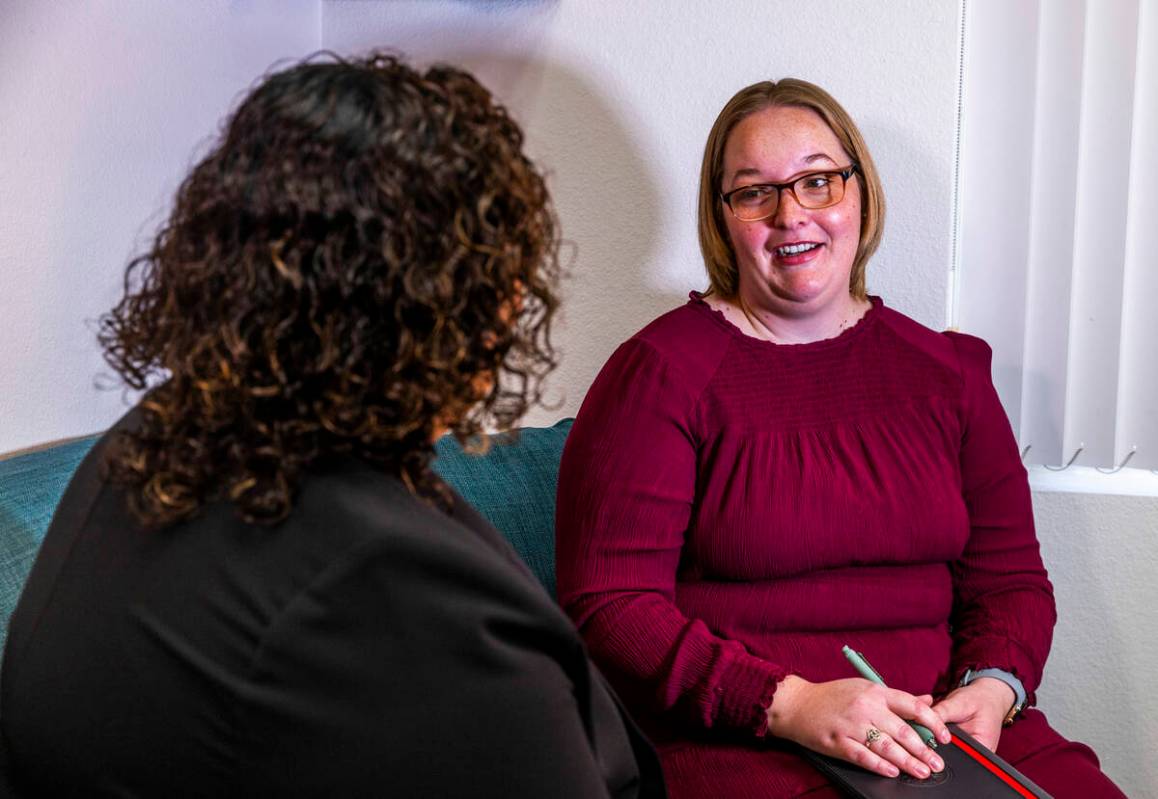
937,764
893,771
946,737
922,771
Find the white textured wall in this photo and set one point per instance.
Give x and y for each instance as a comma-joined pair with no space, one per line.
103,104
1102,555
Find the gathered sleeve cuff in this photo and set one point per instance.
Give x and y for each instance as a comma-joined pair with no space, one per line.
746,692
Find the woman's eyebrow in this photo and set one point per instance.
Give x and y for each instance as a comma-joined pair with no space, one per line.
807,160
742,173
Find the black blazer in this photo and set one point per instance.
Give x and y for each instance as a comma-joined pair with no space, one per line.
370,645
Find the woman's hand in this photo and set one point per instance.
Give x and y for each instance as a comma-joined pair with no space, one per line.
834,718
979,708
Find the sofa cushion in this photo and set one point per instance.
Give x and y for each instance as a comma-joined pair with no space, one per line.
512,485
30,488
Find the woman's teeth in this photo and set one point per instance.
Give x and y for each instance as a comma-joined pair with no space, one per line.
795,249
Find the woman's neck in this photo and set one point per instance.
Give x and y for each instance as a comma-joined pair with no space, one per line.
803,327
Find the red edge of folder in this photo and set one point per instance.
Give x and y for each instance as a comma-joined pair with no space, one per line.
993,767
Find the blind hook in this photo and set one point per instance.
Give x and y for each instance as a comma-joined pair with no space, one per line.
1070,462
1121,465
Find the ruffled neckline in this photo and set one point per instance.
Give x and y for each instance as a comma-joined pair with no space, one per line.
696,300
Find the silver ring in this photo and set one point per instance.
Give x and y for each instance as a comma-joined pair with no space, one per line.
871,737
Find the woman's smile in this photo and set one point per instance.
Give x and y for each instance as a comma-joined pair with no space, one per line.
797,253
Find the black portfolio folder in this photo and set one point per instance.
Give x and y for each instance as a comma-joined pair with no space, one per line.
971,772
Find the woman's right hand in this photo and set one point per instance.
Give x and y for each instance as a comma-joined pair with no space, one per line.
834,718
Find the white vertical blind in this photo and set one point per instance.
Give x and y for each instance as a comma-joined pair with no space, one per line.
1058,221
1138,387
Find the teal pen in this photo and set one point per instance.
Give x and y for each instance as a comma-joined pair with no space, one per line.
869,673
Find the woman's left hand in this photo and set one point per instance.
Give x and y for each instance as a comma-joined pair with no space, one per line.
979,708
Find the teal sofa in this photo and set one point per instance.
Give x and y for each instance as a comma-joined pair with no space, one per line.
512,485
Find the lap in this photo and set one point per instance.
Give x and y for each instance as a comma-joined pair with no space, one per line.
1063,768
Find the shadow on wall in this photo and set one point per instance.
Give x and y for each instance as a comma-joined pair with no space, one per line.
609,207
505,5
911,254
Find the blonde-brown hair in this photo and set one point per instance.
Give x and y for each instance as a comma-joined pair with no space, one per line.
718,254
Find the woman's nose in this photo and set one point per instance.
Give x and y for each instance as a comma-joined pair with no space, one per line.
789,213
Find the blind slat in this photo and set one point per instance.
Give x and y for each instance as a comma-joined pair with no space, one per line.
1051,249
1138,386
1103,179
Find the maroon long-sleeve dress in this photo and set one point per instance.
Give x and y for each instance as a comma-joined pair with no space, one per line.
732,511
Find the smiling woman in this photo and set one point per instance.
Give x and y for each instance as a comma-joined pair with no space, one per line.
784,466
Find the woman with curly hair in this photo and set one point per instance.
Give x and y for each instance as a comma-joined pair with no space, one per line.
255,584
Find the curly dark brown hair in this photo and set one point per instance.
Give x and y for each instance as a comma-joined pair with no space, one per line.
364,259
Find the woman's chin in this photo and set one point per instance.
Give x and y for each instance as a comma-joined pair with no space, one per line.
813,296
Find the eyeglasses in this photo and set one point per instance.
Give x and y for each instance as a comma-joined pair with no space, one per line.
814,190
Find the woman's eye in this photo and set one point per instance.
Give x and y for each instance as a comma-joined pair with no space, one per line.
817,181
752,194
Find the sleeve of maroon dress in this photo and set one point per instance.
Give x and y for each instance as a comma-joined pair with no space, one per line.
626,487
1003,601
